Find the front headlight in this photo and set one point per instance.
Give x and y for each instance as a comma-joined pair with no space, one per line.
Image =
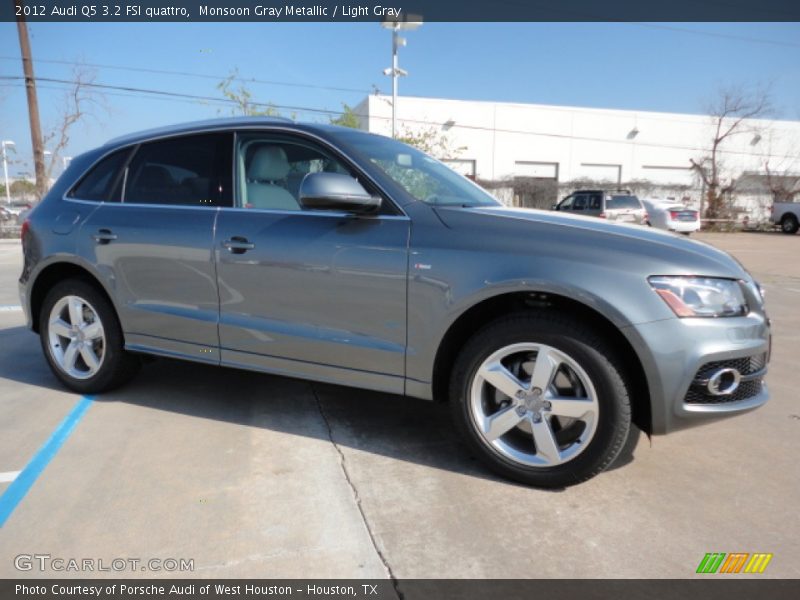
701,296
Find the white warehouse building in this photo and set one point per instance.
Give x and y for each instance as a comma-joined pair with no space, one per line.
499,143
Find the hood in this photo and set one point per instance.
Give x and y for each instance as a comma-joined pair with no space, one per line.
591,240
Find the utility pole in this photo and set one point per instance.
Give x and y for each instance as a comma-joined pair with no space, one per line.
33,104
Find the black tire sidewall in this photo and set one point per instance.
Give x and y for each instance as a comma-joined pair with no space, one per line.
583,346
117,364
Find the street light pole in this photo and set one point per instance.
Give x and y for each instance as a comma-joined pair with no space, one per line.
395,74
395,71
5,143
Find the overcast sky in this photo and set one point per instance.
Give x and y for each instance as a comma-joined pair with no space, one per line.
659,67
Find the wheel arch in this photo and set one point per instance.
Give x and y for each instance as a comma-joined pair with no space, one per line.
482,313
789,215
52,274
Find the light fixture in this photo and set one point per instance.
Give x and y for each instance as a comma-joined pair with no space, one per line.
448,124
633,133
756,139
395,25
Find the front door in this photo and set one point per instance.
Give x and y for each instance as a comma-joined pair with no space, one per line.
313,294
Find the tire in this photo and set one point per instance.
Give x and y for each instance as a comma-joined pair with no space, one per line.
789,224
69,349
588,389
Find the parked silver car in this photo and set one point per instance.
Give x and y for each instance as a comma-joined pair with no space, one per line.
619,205
672,216
334,255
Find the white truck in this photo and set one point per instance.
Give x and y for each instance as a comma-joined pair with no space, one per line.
787,215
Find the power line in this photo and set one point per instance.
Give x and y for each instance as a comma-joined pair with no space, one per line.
162,94
193,74
727,36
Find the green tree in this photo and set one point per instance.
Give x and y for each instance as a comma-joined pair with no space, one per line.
347,118
22,187
431,141
242,98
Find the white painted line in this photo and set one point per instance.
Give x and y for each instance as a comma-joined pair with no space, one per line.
10,307
8,477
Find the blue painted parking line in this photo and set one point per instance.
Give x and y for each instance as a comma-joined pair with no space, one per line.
23,482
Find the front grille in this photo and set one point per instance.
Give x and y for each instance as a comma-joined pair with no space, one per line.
698,394
746,389
745,366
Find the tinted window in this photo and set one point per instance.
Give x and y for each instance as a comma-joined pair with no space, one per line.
566,203
616,202
596,201
104,181
580,202
193,170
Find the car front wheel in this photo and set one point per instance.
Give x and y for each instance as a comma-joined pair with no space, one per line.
541,399
82,339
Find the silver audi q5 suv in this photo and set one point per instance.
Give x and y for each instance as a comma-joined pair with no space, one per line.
334,255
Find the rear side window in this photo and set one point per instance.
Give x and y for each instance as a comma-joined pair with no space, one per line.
104,182
191,171
617,202
596,202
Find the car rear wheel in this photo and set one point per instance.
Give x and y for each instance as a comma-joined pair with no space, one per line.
541,400
789,224
82,339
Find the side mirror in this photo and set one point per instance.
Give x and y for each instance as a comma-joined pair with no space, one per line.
336,191
554,207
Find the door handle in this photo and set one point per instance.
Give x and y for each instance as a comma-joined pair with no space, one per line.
238,245
103,236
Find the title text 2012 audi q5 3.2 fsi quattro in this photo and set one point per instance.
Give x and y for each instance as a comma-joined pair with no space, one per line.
334,255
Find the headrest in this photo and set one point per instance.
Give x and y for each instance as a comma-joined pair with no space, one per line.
269,163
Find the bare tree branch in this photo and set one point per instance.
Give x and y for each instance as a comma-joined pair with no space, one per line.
78,103
732,113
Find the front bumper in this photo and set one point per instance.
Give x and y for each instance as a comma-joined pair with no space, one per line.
674,352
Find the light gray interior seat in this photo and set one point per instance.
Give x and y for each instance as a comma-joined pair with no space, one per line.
268,168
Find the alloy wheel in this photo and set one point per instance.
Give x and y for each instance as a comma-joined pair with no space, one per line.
76,337
534,405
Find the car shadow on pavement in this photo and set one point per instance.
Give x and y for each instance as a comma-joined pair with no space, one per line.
405,429
21,359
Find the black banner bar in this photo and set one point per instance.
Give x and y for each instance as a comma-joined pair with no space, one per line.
713,587
270,11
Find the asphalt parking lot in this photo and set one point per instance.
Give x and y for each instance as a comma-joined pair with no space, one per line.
257,476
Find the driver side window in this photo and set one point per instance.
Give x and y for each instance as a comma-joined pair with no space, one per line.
270,169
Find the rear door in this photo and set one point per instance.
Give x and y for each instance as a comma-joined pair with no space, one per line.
579,204
312,293
594,206
153,243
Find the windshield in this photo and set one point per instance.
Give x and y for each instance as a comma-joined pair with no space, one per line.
614,202
423,177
